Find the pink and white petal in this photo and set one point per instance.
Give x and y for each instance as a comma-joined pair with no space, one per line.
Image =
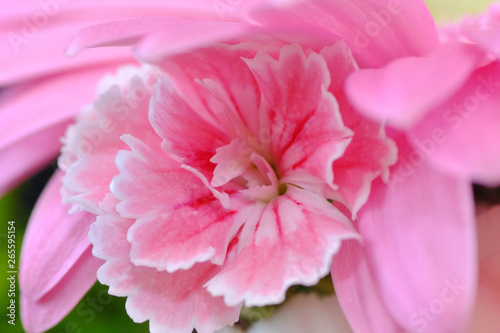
305,313
303,119
376,30
358,293
44,313
222,64
184,132
487,307
369,155
419,235
407,89
178,220
91,145
30,118
231,162
173,302
54,242
290,242
461,135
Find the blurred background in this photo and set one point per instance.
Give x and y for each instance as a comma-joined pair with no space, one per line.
109,315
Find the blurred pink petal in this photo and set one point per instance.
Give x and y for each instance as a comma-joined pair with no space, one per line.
33,118
45,28
46,312
56,267
358,294
462,135
422,251
383,94
377,31
486,319
446,101
162,36
46,256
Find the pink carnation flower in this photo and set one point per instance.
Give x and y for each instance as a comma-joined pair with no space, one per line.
245,169
223,188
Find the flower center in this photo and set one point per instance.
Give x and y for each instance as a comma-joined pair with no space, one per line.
262,182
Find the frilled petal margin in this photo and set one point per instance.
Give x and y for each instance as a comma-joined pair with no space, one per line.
173,302
275,242
178,220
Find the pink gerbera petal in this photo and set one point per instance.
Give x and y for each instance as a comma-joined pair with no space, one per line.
44,313
427,281
54,241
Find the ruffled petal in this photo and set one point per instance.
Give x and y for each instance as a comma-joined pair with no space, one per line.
54,242
377,31
370,152
88,156
173,302
420,243
289,241
222,68
306,133
185,133
178,220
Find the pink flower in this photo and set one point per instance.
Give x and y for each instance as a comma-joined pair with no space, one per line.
450,98
244,172
223,172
